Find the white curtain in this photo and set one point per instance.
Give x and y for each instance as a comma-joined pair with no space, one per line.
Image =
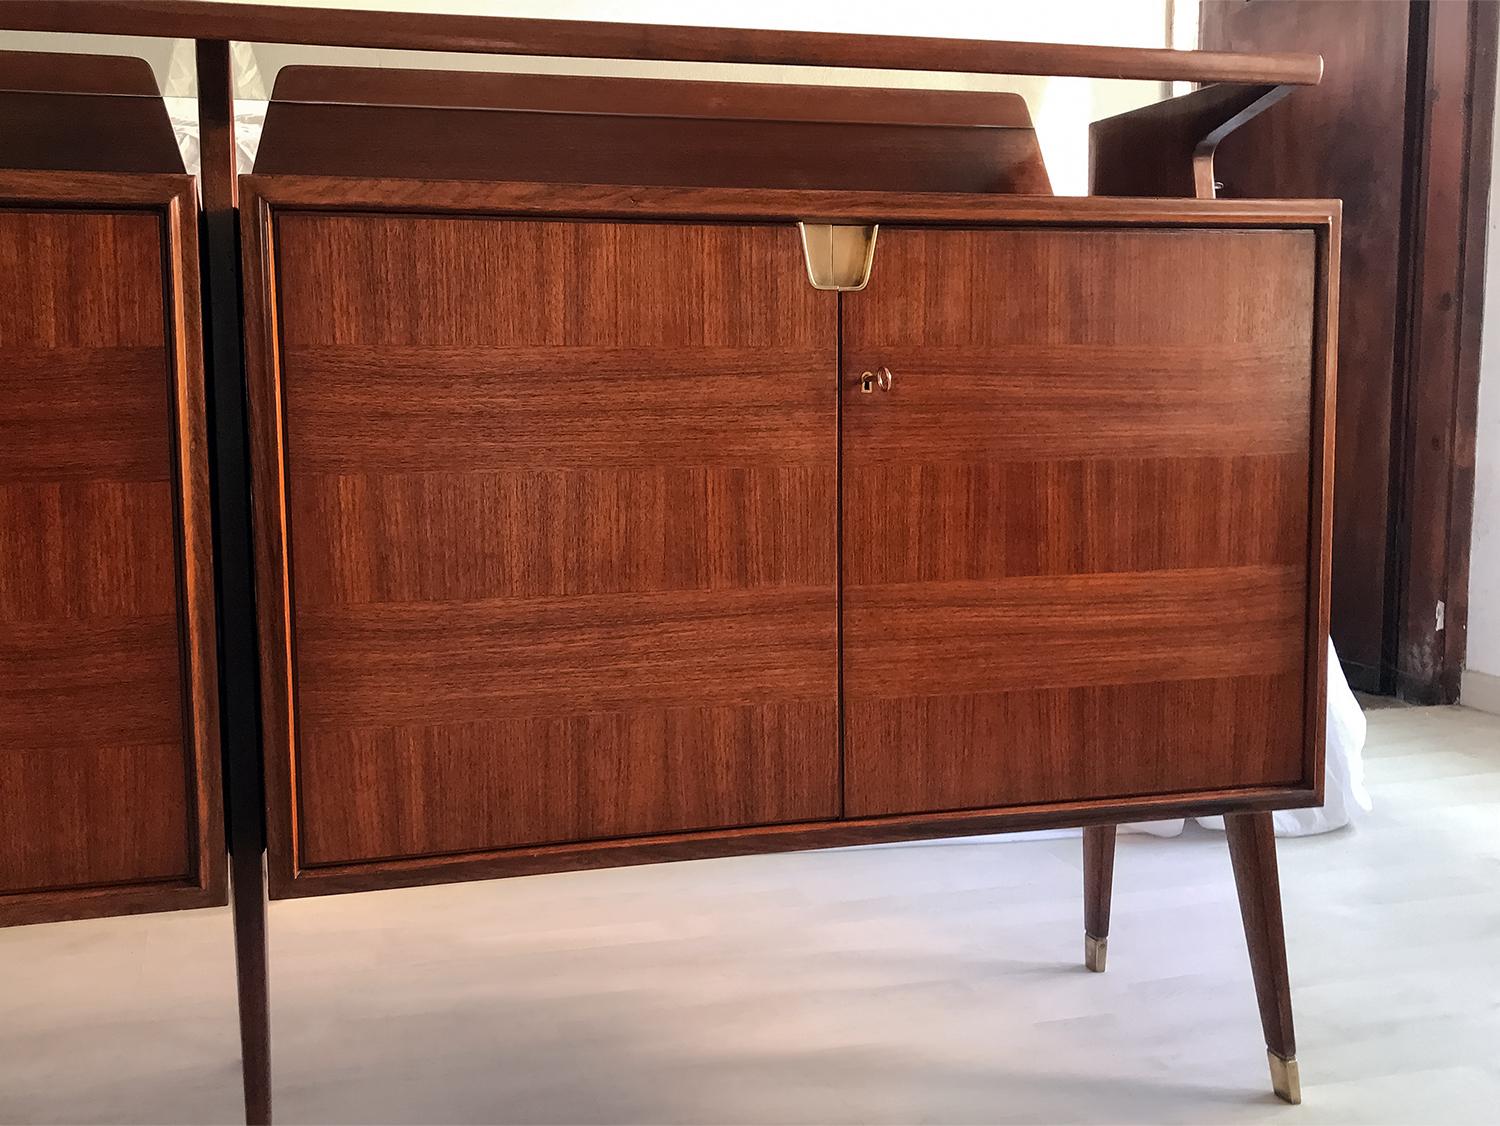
1344,794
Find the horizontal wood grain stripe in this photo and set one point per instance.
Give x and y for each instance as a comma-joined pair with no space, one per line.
93,814
1183,287
462,787
374,409
464,280
395,664
86,550
526,533
944,520
1063,401
422,30
913,639
1058,744
75,683
85,414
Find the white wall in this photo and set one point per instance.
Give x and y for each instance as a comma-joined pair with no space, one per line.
1061,107
1481,683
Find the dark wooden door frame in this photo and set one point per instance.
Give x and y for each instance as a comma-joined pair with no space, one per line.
1417,188
1451,84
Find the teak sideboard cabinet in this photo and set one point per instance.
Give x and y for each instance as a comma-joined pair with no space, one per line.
613,522
608,471
584,536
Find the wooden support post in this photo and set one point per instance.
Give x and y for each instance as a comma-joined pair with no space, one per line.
234,576
1252,851
1098,884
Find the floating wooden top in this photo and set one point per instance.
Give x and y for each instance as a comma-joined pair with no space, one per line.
424,31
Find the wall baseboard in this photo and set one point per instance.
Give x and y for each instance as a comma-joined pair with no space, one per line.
1481,691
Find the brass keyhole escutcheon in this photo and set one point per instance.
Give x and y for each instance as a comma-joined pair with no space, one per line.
870,380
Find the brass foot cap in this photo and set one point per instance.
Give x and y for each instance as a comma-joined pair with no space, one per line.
1094,950
1285,1080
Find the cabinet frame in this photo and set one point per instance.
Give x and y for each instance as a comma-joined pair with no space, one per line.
264,197
172,198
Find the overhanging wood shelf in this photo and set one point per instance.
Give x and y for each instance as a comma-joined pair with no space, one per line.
425,31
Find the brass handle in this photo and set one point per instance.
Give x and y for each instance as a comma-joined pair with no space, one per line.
881,378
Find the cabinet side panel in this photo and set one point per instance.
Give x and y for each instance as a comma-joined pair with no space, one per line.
1077,526
560,508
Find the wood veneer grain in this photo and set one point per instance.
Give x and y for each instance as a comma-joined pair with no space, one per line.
1076,527
561,510
108,720
465,787
1120,545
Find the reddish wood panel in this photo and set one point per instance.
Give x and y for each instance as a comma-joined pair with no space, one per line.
984,748
69,277
84,112
108,761
82,819
648,97
453,659
1076,528
500,409
1084,515
60,72
474,786
342,121
53,394
561,516
748,525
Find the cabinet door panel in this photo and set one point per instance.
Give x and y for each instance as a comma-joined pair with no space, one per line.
1076,527
109,761
561,514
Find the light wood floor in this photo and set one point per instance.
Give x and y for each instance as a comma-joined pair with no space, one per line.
933,984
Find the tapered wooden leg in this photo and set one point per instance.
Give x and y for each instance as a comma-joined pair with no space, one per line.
1098,884
248,904
1252,850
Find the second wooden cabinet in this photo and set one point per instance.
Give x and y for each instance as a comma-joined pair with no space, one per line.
583,523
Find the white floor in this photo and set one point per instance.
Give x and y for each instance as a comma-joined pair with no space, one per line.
933,984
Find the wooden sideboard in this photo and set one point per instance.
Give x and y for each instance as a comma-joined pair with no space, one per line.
582,541
639,470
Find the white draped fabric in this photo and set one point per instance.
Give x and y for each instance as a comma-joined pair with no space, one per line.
1344,796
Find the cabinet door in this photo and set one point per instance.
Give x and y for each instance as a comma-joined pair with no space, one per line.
109,761
1076,526
560,533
